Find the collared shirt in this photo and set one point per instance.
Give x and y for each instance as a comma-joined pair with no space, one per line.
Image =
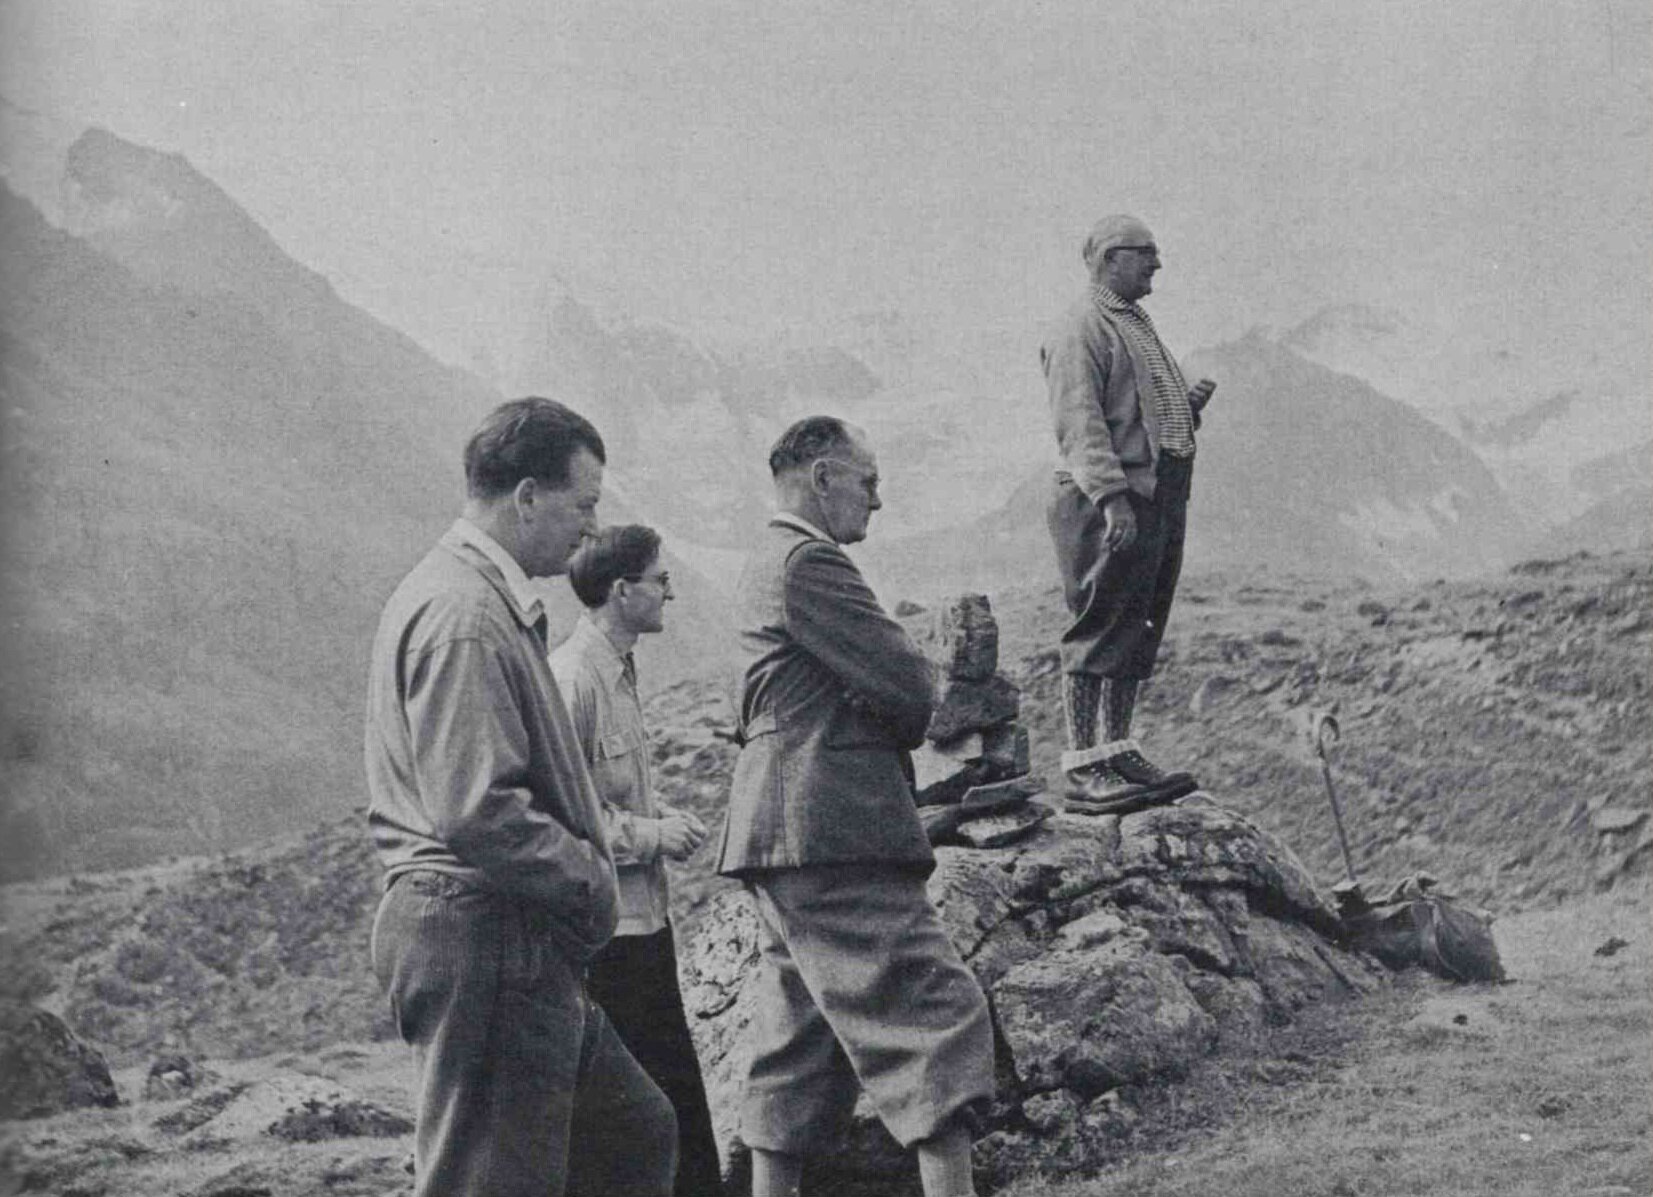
529,603
1176,417
599,685
801,524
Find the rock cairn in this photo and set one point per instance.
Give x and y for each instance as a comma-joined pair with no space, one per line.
971,774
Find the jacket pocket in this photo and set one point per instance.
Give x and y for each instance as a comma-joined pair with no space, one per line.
618,743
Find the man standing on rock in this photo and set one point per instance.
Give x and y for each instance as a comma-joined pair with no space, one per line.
619,578
859,985
1125,422
499,882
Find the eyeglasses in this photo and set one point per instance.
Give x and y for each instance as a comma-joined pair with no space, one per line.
869,481
663,579
1151,250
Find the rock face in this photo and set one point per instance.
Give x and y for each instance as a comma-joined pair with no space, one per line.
44,1069
1113,951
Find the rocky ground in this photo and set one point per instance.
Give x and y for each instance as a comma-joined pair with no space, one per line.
1494,733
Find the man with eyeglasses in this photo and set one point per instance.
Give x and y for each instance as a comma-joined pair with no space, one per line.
858,985
618,577
1125,420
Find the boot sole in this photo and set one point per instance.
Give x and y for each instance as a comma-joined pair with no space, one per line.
1168,791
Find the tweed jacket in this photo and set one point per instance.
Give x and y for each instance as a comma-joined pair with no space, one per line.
1101,402
473,767
833,697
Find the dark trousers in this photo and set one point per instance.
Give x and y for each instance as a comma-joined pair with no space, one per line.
634,979
524,1088
1120,600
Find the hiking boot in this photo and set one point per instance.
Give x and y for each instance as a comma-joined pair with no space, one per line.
1126,759
1096,788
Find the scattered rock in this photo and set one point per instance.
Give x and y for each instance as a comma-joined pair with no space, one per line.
943,772
1278,638
906,608
45,1068
200,1111
1612,946
171,1077
966,706
1372,608
1001,796
1636,621
1006,750
1052,1113
1095,1020
1211,690
339,1118
1610,820
244,1180
941,822
995,831
1553,1106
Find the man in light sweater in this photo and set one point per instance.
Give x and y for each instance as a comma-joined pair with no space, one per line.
1125,422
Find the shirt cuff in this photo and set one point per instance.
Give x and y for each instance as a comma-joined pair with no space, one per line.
647,832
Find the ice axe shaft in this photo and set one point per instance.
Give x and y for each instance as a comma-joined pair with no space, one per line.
1323,731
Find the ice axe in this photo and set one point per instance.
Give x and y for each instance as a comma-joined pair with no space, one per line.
1323,732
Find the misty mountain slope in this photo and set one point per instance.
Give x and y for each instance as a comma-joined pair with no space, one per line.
202,518
211,486
1623,520
1299,468
1320,470
1562,455
692,422
1538,415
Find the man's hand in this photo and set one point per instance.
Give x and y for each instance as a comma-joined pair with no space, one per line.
1119,522
680,834
1200,394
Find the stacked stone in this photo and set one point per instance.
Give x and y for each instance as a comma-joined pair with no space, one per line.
971,774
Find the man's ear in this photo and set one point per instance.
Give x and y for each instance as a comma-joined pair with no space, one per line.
524,495
817,477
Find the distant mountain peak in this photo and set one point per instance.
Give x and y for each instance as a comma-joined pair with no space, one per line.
163,219
1345,321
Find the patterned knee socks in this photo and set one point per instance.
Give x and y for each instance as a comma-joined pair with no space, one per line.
1118,700
1081,692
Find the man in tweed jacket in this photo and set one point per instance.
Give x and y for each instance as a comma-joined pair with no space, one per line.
861,987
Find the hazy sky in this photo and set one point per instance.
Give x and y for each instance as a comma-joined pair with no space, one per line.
763,165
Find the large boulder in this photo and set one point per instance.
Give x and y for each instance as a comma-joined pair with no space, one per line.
1114,950
44,1068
